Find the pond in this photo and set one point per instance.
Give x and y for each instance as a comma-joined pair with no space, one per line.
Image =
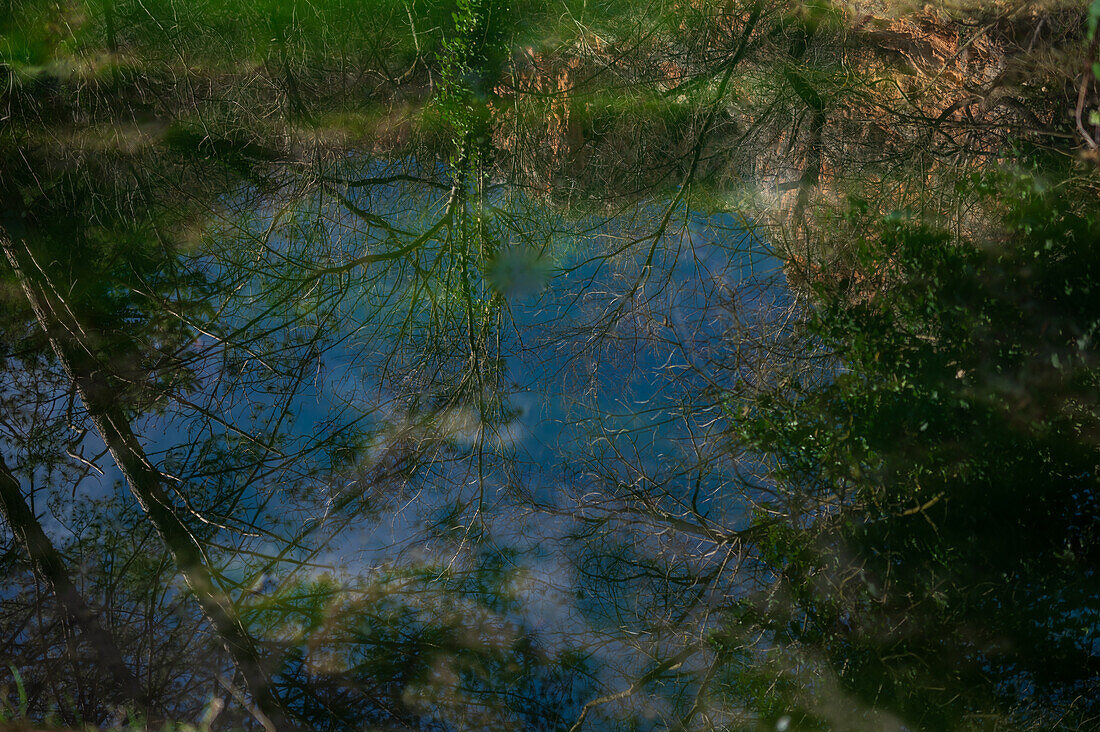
509,364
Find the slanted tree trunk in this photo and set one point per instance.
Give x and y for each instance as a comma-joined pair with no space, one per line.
98,388
48,564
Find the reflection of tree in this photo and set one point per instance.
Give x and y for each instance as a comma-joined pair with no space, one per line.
99,392
390,399
49,564
943,480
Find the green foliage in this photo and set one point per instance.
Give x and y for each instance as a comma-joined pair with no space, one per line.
18,711
939,485
471,60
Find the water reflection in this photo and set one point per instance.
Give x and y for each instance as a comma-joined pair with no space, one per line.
397,363
599,363
395,374
413,411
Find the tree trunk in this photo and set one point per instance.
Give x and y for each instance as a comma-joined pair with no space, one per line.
50,567
98,388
